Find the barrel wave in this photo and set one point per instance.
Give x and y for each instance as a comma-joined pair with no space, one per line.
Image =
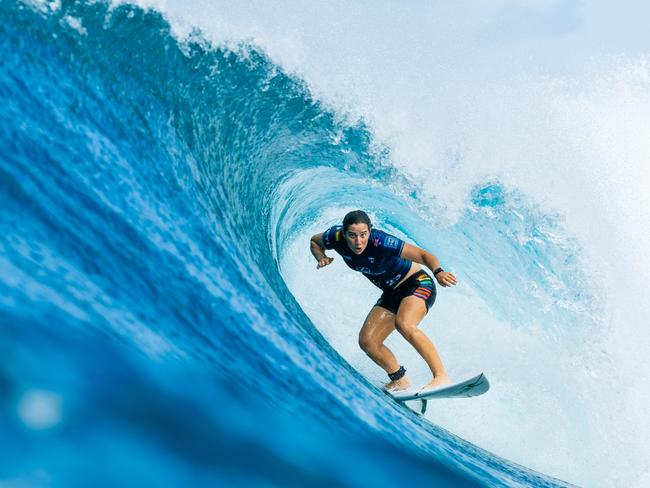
157,324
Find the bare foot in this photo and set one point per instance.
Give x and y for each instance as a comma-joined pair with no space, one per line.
440,380
401,384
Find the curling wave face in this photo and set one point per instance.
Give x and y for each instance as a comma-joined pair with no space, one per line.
152,191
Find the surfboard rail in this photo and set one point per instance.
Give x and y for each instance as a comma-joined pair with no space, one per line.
474,386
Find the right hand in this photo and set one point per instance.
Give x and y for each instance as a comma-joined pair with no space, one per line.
324,262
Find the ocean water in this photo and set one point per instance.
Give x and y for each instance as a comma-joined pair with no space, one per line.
162,321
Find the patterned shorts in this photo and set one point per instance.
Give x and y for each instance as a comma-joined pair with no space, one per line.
420,285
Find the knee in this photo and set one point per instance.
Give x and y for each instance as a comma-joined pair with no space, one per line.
367,344
406,328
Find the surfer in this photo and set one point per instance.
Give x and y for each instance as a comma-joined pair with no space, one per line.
408,292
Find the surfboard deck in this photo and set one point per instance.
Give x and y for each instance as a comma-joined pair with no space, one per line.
474,386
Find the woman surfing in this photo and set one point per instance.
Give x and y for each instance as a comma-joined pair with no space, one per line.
408,292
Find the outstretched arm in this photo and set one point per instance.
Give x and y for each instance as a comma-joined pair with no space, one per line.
318,250
419,255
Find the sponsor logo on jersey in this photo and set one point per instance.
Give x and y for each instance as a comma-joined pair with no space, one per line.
365,270
392,281
391,242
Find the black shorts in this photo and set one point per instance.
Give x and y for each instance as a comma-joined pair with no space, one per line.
420,285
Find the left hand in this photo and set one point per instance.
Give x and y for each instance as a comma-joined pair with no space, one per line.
445,278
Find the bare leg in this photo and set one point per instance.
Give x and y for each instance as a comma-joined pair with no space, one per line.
379,324
411,311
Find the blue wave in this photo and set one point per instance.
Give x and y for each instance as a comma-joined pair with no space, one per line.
148,190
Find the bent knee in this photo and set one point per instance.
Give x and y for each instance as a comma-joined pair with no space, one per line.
406,328
367,344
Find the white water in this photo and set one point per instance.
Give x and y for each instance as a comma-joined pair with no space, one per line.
550,98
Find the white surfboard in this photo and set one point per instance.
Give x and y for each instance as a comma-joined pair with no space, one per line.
471,387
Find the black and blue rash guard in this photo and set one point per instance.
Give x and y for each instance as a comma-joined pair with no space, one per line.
380,261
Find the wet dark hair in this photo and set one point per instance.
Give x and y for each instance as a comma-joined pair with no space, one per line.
356,217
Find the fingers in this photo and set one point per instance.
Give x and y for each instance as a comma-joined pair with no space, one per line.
324,262
446,279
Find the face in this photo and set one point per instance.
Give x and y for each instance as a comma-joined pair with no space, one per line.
357,237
